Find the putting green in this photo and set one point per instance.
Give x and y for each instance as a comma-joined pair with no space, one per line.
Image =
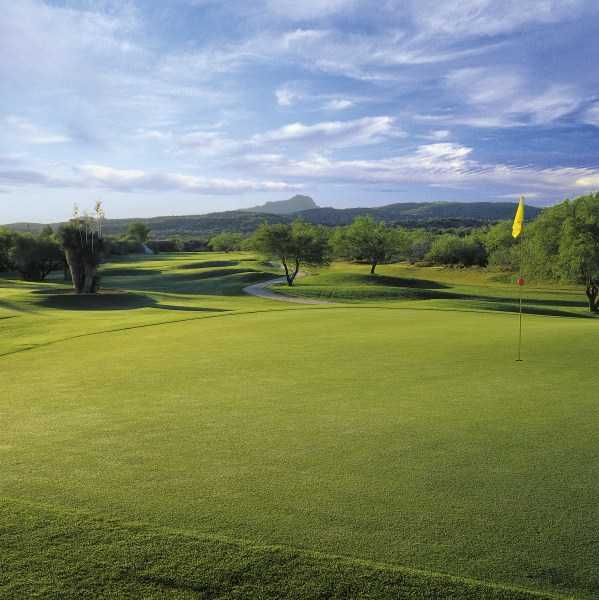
391,434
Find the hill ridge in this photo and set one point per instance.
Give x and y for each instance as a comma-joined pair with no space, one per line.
246,221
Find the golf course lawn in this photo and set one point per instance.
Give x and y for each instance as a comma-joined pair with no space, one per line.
181,439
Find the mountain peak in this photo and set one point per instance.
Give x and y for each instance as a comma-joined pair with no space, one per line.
284,207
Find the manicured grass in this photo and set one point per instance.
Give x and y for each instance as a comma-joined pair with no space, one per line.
235,447
439,287
133,560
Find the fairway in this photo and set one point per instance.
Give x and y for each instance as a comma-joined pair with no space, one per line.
401,434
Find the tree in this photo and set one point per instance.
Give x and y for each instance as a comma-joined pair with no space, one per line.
449,249
501,247
6,243
226,242
35,257
418,244
563,244
83,244
138,231
47,231
368,240
294,245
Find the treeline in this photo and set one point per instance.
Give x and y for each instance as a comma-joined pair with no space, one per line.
561,244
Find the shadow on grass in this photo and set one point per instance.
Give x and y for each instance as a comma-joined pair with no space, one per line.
112,300
367,279
212,274
190,308
531,310
537,306
101,301
405,282
16,307
205,264
124,272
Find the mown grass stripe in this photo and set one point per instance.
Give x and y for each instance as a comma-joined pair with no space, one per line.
92,554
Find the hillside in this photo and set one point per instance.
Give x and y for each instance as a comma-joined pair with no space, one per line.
433,214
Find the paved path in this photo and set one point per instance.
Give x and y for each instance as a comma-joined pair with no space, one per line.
261,290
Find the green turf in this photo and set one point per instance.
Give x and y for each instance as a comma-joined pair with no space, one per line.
263,449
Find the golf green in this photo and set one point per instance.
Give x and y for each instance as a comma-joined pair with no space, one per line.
395,434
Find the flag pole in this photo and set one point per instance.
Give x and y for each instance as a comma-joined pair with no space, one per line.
517,229
520,286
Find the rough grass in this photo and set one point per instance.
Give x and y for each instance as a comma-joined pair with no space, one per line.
216,445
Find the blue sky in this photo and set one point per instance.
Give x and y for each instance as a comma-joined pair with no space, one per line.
193,106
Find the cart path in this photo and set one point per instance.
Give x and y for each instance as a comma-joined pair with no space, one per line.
262,291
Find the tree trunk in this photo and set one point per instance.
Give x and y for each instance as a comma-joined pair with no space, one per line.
90,280
290,275
592,292
287,274
84,274
373,265
65,270
295,272
76,268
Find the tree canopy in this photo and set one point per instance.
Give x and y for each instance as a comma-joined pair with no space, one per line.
138,231
368,240
294,245
226,242
35,257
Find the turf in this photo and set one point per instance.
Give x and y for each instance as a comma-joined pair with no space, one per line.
236,447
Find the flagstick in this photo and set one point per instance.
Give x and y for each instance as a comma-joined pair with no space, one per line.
519,359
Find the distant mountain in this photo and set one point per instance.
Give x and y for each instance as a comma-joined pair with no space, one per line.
284,207
419,212
412,214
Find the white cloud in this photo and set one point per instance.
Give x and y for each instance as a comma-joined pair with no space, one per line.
338,104
132,180
209,143
26,132
440,164
339,134
591,115
290,93
439,134
588,181
489,17
308,9
499,98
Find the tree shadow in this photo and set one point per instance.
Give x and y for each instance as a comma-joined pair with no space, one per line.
101,301
205,264
526,299
533,310
128,272
212,274
407,282
190,308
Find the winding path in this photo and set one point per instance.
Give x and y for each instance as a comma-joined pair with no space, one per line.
262,291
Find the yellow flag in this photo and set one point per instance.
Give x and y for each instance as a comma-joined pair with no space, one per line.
518,219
